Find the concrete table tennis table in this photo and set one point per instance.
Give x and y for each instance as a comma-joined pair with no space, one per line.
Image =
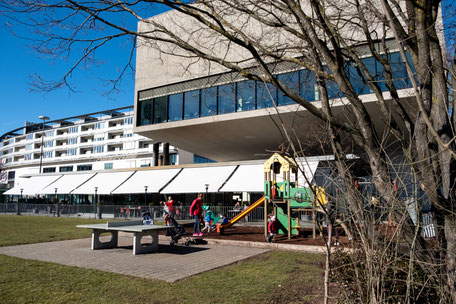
138,229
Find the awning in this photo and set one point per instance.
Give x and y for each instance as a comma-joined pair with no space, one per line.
247,178
67,183
193,180
104,182
250,178
153,179
309,168
32,185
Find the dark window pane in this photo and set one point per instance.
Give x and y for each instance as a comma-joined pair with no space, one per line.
66,169
291,80
145,113
380,72
308,85
245,95
264,95
175,106
355,79
209,101
160,109
191,104
399,71
226,98
371,67
412,67
332,87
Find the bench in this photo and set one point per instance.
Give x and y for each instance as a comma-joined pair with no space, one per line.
138,229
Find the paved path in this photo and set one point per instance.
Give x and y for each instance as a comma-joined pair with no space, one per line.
169,264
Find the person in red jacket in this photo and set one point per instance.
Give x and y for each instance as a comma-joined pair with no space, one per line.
272,228
170,204
196,210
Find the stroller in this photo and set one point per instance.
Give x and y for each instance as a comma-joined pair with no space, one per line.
176,231
147,219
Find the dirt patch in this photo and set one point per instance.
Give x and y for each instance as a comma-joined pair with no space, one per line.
256,234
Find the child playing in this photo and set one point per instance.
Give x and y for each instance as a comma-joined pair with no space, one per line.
272,228
225,220
207,223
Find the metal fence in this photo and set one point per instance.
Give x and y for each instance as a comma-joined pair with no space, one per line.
120,211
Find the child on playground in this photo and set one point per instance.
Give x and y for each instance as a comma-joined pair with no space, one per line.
272,228
207,221
225,220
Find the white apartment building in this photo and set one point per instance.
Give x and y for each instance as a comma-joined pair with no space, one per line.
99,142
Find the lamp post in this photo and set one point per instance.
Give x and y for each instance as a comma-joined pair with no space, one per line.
18,210
44,118
207,189
145,195
97,207
56,202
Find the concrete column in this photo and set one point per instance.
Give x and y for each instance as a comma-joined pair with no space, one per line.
166,154
156,156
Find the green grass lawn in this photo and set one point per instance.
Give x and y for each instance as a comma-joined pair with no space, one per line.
17,230
275,277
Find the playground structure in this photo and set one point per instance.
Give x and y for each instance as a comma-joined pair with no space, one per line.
285,198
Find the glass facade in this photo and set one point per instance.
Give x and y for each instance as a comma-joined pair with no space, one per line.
72,140
226,98
73,130
160,109
84,167
191,104
175,107
209,101
291,80
201,160
66,169
72,152
245,100
266,95
98,149
251,95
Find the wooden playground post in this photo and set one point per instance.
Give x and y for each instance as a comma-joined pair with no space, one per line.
314,222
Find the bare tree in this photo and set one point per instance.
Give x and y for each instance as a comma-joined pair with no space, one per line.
331,39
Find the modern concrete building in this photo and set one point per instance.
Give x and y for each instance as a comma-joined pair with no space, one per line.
201,107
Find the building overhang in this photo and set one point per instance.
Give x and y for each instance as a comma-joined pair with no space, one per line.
256,134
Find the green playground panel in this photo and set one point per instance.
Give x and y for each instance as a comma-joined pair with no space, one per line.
283,220
282,189
301,198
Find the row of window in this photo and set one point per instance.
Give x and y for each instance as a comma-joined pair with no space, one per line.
251,95
69,168
75,129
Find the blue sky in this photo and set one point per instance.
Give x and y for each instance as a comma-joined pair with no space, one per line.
20,103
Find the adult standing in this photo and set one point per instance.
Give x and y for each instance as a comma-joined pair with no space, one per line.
170,204
196,210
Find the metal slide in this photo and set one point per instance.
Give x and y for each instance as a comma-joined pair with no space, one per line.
244,213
